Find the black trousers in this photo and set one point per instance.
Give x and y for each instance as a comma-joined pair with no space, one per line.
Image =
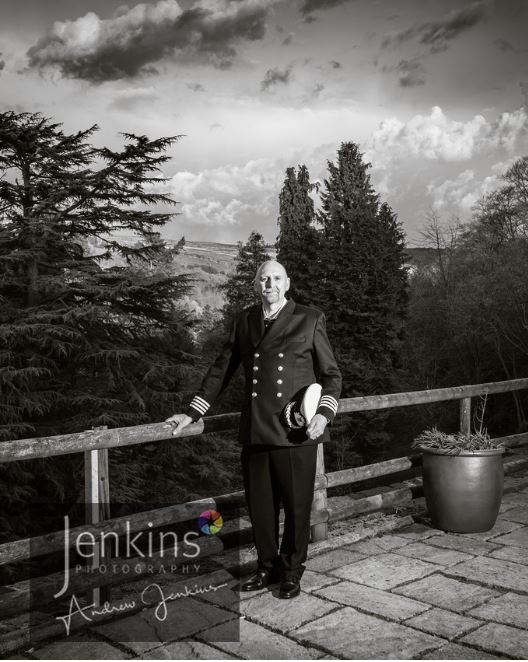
275,475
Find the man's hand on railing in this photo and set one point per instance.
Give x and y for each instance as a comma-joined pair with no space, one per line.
178,422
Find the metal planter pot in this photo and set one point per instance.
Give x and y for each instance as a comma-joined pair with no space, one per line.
463,492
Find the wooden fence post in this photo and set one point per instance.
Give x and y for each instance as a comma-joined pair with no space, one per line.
97,505
320,502
465,415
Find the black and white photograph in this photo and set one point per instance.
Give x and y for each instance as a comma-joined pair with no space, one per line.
263,329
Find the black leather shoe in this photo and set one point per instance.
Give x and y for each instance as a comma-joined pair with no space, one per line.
290,588
257,581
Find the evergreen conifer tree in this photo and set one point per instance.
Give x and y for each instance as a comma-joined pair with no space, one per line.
392,282
363,283
238,288
298,240
83,341
77,339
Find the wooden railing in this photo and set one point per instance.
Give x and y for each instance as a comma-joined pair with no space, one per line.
96,443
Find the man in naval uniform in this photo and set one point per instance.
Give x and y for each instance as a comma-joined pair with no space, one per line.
283,348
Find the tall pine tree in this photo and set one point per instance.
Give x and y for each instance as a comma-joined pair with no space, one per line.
77,338
363,283
298,240
392,283
82,345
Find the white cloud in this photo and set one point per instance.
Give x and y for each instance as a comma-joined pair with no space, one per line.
464,191
234,195
435,137
213,212
242,197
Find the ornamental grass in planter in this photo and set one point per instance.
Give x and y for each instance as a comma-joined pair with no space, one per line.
463,479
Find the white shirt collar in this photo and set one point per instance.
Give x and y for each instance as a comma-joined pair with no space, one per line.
274,315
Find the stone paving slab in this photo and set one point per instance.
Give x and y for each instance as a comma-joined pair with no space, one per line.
447,593
366,527
453,651
335,559
233,597
373,600
312,581
510,609
511,553
515,483
492,572
505,506
501,527
516,514
148,632
519,538
286,615
501,639
84,648
385,570
416,531
259,643
378,545
438,555
462,544
443,623
186,650
516,498
353,635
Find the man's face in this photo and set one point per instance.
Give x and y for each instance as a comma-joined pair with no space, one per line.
272,283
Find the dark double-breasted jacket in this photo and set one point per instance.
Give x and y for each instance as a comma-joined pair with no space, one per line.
292,354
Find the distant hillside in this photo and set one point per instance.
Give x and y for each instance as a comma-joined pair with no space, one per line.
211,263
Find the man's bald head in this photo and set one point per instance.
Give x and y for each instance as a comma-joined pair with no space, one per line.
270,264
271,282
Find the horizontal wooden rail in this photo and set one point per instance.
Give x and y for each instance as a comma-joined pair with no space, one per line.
27,449
370,402
366,471
90,440
514,440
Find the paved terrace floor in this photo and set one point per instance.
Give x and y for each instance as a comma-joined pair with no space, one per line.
413,592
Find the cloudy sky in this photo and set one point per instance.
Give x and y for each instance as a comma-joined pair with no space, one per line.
435,92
